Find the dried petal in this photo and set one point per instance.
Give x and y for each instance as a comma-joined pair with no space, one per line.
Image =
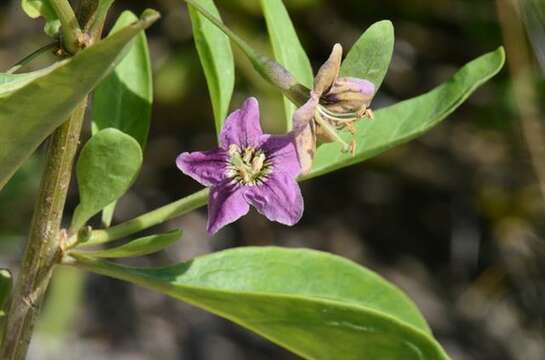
349,95
304,134
329,71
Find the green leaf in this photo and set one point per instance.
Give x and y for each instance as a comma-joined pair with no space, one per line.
106,168
138,247
369,58
216,58
11,82
33,111
37,8
315,304
287,49
123,100
409,119
5,288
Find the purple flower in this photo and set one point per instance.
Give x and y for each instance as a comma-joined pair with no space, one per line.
249,168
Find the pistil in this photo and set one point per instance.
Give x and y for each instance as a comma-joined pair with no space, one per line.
247,166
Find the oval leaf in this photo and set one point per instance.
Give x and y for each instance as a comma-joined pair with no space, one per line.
287,49
123,100
299,299
106,168
32,112
409,119
216,58
138,247
369,58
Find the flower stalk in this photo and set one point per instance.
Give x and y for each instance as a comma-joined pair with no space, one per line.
147,220
269,69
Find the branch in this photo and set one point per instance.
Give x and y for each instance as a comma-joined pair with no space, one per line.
71,31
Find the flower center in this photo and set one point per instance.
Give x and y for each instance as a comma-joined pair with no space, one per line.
248,166
331,122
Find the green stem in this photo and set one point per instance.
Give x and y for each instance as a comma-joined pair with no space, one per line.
247,49
27,59
71,30
96,23
273,72
150,219
42,249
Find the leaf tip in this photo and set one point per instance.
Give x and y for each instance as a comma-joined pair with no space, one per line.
150,15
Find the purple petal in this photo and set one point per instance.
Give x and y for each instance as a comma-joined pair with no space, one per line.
207,167
225,205
282,153
279,199
242,126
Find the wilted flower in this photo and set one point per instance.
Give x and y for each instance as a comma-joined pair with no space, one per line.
249,168
335,104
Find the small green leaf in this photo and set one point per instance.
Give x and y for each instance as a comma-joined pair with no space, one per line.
315,304
369,58
287,49
33,111
123,100
138,247
216,58
106,168
5,288
42,8
409,119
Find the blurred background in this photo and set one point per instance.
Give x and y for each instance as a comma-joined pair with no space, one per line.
455,218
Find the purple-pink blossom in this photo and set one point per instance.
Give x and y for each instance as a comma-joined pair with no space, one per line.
249,168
